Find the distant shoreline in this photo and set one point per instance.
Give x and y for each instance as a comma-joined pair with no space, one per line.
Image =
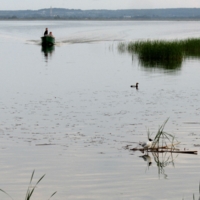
101,19
175,14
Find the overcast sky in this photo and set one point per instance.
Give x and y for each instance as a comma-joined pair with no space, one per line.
97,4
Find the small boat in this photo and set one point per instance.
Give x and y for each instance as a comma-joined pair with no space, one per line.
48,40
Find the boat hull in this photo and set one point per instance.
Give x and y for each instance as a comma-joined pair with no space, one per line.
48,40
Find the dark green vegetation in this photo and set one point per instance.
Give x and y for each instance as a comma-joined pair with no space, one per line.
161,53
30,189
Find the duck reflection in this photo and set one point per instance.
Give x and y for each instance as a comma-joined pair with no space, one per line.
48,51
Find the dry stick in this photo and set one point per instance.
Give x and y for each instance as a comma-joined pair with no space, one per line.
184,152
156,150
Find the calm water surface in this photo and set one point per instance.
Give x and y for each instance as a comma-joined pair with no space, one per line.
69,112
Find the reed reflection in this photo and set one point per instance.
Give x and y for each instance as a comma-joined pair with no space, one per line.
166,65
162,160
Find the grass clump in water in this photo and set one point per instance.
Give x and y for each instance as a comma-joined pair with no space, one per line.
162,138
191,47
30,189
162,53
158,50
122,47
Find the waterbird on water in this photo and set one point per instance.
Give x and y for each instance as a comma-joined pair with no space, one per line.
147,144
136,86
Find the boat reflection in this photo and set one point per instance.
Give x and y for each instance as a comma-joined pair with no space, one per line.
48,51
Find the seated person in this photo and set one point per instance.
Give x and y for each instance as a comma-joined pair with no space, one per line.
46,32
50,34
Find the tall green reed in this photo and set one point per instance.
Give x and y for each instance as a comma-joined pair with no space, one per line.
167,54
31,189
191,47
163,139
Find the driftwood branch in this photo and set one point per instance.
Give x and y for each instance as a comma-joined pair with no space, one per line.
164,149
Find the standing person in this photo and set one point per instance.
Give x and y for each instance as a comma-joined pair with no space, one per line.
46,32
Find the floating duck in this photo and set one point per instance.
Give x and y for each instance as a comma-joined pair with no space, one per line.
136,86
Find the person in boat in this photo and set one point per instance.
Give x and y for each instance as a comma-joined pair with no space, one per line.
50,34
46,32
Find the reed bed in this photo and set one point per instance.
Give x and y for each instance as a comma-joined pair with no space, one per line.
168,54
157,50
191,47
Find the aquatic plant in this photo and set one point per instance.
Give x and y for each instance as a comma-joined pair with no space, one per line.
191,47
157,50
30,189
163,139
162,53
122,47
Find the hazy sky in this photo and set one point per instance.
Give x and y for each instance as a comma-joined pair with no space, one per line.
97,4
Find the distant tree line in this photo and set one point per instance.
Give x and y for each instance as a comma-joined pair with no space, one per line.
132,14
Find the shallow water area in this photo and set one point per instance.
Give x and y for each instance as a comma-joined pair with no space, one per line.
69,112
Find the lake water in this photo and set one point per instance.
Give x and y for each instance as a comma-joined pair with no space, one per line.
69,112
